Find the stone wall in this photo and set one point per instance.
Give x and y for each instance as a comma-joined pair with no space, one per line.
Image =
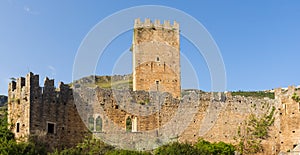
19,108
219,120
32,108
153,114
216,116
288,135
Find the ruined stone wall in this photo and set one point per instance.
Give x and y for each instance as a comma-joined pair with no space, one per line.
217,116
219,120
34,107
19,108
156,57
149,113
151,109
289,118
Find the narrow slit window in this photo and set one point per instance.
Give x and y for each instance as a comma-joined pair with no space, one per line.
18,127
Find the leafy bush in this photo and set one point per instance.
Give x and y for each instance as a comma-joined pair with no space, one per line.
126,152
295,97
88,146
202,147
220,148
253,132
9,146
176,148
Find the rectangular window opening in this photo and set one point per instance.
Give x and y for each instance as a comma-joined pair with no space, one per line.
51,128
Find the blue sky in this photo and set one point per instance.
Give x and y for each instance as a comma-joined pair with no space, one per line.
259,40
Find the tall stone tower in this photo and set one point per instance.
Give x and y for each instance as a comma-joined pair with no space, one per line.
47,112
156,57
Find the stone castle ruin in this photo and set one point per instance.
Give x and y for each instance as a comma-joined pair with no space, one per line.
154,113
48,113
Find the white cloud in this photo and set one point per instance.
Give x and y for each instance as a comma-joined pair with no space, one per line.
27,9
52,69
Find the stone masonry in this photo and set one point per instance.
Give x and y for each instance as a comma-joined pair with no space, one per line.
156,57
32,109
46,113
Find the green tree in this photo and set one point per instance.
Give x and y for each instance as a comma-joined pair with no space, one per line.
126,152
9,146
254,130
202,147
89,146
295,97
219,148
177,148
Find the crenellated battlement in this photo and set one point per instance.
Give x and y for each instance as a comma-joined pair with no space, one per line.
48,83
148,24
35,109
286,93
24,86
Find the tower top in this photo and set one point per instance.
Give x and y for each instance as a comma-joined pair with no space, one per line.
148,23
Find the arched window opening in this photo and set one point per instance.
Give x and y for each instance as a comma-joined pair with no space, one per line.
128,124
134,124
91,123
98,123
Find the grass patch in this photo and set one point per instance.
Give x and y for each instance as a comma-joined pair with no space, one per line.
107,82
256,94
115,84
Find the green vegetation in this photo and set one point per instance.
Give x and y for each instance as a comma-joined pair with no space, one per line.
109,82
202,147
126,152
3,110
253,131
128,124
256,94
295,97
146,101
106,82
88,146
9,146
115,84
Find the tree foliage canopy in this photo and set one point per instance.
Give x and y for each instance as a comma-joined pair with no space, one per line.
254,130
